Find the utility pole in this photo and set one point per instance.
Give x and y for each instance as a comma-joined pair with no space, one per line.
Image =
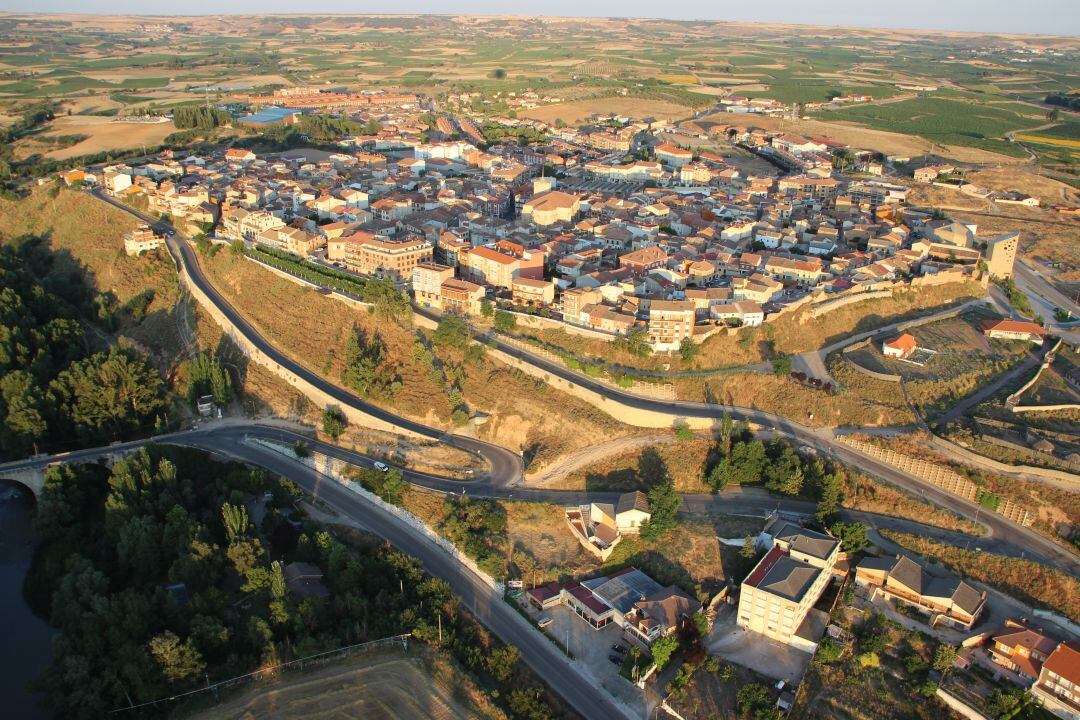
440,629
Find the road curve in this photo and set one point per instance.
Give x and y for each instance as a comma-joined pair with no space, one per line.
506,466
482,601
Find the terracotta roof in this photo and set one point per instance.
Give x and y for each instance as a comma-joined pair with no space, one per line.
904,342
1013,326
1065,662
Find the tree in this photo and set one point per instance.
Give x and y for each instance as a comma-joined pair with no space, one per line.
683,431
749,549
22,405
852,536
452,331
637,341
504,321
108,392
828,651
363,360
782,365
663,505
177,660
944,657
663,649
689,350
753,701
486,308
727,428
829,502
235,520
236,247
206,375
701,623
334,422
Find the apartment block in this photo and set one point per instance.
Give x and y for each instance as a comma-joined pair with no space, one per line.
778,595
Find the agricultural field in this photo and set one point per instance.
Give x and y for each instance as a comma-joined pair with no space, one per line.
392,686
945,122
642,68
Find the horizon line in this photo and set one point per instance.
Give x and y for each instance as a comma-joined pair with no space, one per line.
766,23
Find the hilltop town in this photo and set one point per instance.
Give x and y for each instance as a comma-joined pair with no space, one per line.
407,391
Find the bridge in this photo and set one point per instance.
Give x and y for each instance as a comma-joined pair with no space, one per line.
30,473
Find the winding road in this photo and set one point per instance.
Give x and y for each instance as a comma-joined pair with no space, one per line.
506,470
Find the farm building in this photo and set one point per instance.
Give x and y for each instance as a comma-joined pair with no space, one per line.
900,346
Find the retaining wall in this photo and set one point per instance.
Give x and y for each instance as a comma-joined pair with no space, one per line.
820,309
313,393
975,458
887,377
945,478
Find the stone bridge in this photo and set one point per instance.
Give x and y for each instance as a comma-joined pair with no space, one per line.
30,473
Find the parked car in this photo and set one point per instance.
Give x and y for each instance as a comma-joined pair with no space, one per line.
621,649
544,622
615,659
381,466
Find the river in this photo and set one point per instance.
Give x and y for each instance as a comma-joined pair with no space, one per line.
27,640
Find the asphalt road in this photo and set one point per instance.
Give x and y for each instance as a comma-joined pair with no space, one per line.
476,595
504,465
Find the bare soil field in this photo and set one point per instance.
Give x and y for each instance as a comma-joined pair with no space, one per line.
573,113
386,688
1021,178
105,134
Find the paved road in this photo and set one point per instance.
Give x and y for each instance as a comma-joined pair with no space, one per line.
1003,537
506,468
505,465
476,595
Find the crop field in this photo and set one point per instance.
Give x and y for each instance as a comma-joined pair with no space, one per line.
669,69
943,121
391,687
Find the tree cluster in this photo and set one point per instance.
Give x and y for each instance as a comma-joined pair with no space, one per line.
158,582
366,370
53,388
200,117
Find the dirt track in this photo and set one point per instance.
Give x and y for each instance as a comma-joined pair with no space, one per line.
387,688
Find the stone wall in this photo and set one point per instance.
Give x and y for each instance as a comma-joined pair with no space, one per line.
944,477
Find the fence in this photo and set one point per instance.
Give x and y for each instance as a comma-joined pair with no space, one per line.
948,480
292,665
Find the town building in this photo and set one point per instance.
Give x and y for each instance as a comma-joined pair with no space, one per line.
142,239
1058,687
946,599
1001,255
599,527
1021,648
777,598
1014,330
901,346
373,255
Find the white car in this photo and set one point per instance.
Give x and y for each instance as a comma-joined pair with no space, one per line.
544,622
381,466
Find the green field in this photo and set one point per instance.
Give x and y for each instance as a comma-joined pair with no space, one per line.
943,121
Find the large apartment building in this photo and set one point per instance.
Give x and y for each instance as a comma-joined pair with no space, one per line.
488,266
779,593
374,255
670,322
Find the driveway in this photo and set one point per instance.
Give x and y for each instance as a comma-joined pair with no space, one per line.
753,650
